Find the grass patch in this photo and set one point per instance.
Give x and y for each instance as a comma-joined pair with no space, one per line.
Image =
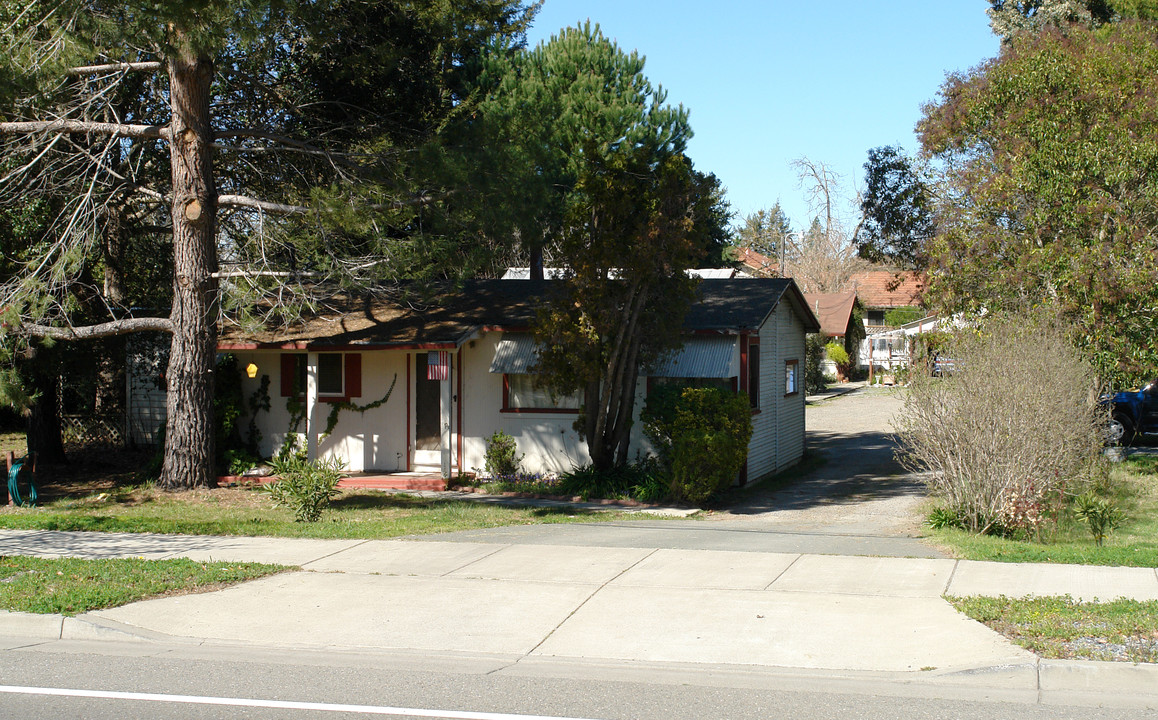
247,512
1133,487
15,442
70,586
1062,628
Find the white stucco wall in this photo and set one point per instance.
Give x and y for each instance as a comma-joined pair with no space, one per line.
548,440
380,439
374,440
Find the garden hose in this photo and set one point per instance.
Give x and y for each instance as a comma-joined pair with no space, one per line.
14,484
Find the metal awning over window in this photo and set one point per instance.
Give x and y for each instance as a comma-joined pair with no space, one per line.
515,354
701,357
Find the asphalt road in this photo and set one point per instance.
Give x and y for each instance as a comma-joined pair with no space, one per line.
116,681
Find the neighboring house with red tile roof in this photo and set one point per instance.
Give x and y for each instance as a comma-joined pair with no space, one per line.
882,290
754,264
835,312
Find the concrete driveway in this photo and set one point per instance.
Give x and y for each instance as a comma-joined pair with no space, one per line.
859,501
859,489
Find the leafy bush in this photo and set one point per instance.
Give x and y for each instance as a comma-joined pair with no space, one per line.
702,436
903,316
1014,427
643,480
941,518
837,354
304,487
1100,514
534,483
500,459
239,461
814,380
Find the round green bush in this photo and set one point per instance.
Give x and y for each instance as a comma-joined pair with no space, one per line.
702,435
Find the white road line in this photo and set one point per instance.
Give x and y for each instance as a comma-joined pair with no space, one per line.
277,704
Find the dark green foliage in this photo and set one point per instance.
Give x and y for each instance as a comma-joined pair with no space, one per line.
644,480
897,208
237,462
701,435
1054,188
501,459
629,239
814,381
764,231
548,114
304,487
228,407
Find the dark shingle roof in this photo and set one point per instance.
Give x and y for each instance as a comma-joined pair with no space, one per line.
739,304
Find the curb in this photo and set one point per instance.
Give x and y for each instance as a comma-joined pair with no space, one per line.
472,494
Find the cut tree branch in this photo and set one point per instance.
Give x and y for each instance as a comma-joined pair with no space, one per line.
113,67
103,330
243,201
148,132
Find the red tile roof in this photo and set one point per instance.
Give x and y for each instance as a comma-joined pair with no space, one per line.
888,288
834,310
757,263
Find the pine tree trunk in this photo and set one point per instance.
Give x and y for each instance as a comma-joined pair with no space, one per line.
189,451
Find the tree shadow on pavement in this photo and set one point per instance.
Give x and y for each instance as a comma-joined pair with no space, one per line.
857,467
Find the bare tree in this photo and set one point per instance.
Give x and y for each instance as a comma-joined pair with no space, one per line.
824,257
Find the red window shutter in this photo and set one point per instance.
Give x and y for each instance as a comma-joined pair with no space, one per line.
288,371
353,375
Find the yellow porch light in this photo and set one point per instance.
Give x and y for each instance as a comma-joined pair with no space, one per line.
251,370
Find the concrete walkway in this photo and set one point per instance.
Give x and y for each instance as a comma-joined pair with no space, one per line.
861,616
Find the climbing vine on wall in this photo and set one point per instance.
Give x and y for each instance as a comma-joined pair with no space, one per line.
337,408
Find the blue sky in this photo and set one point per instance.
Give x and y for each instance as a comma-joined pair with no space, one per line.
767,82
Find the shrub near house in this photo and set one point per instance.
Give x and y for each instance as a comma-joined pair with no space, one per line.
702,437
1013,432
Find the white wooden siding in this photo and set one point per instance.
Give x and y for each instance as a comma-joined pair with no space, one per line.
778,429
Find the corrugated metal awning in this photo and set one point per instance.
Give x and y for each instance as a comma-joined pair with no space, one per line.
515,354
701,357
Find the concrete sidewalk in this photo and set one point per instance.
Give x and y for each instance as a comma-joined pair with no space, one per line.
884,617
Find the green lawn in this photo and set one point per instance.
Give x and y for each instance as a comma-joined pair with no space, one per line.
1133,486
71,586
243,511
1059,627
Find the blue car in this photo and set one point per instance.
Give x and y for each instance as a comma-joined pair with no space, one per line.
1133,412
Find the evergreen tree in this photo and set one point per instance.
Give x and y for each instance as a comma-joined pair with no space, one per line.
153,130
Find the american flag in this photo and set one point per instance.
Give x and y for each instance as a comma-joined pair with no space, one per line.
438,365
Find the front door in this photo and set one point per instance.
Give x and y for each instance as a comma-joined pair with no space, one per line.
427,415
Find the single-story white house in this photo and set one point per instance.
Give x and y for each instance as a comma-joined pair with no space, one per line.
460,369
